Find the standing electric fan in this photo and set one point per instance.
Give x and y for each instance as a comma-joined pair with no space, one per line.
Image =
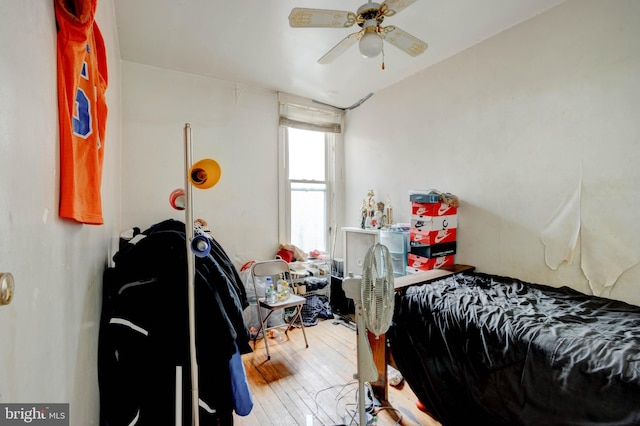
373,296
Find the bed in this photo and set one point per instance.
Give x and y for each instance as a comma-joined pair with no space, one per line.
486,349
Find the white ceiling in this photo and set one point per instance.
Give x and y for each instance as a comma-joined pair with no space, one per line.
250,41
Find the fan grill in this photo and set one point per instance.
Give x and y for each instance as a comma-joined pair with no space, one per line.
377,289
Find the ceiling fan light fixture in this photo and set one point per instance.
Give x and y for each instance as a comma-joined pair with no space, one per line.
370,44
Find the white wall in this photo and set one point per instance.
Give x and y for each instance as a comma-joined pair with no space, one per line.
235,125
512,126
49,332
509,126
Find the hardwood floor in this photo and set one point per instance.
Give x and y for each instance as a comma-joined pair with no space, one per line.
315,385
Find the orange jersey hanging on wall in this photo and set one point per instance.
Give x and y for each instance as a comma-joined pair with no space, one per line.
82,109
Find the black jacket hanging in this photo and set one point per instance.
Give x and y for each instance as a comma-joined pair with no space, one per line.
144,331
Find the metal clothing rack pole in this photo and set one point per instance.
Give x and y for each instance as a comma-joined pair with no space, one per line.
195,399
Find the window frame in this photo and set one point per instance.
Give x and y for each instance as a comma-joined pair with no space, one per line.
285,188
302,113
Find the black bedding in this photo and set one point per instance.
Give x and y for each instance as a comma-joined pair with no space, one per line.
483,349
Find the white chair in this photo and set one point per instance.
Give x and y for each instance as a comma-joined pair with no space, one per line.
275,269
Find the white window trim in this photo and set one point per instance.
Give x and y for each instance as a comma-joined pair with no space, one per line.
284,222
334,178
284,187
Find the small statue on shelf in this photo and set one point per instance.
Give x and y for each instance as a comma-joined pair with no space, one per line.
363,214
389,213
378,216
374,215
371,202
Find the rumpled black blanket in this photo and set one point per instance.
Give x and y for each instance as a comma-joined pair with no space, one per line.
484,349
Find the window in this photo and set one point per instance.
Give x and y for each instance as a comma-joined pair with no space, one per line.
307,188
309,134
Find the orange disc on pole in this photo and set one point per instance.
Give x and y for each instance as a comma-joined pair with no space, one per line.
205,173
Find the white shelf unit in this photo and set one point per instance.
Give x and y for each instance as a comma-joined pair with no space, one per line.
356,243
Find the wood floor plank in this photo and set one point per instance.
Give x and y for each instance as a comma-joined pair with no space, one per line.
309,380
314,386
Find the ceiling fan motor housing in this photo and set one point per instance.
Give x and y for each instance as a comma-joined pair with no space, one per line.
369,11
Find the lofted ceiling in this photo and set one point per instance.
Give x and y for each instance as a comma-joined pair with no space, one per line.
250,42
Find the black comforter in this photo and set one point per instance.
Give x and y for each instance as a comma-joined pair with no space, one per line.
482,349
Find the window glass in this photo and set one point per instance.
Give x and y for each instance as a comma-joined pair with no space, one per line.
308,216
307,189
306,155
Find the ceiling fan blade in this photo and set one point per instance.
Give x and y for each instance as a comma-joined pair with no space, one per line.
341,47
403,40
322,18
391,7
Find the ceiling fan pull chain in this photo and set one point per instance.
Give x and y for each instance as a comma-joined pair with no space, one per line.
382,51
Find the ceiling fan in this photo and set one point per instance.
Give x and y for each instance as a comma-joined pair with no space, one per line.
369,16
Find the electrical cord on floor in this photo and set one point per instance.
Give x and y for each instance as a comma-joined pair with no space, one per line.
338,396
398,412
351,409
370,405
